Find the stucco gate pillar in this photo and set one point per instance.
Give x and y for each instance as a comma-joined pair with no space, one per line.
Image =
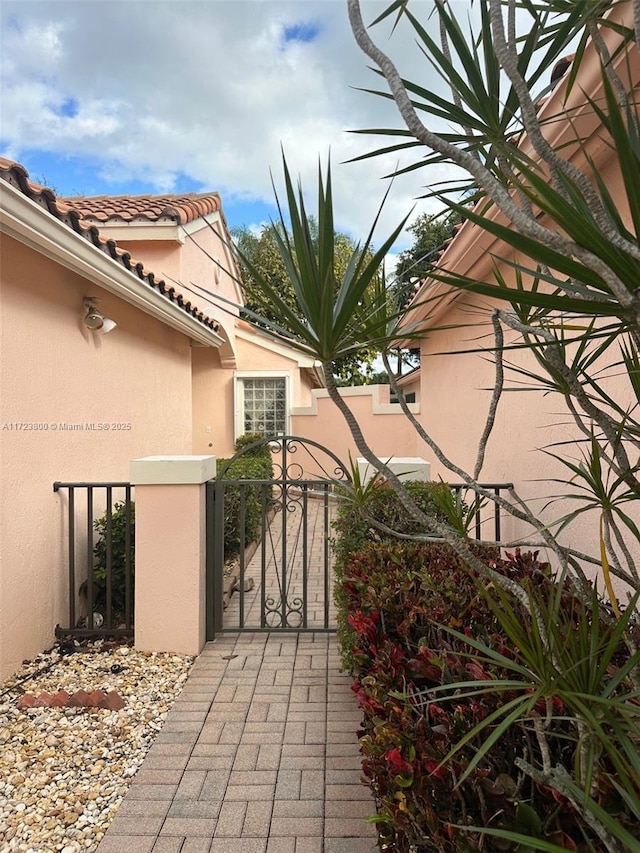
170,611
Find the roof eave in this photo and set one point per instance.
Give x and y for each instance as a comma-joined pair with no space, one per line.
32,225
464,252
246,331
408,378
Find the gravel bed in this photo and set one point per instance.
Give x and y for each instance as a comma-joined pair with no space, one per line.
64,771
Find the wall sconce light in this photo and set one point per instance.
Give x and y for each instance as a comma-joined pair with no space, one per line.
94,318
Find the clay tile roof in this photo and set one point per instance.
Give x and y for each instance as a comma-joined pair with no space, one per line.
76,219
178,209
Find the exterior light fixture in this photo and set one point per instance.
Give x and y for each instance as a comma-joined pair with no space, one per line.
94,318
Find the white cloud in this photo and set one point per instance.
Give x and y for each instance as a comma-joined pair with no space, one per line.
208,89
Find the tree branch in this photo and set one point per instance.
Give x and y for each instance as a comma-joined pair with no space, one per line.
486,180
495,396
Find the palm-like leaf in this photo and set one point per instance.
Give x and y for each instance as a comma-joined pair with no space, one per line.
331,317
575,665
487,117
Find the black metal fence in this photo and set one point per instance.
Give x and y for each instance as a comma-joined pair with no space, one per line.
100,537
483,513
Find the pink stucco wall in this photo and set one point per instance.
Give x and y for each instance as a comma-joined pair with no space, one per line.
213,390
164,257
53,370
200,262
387,433
212,404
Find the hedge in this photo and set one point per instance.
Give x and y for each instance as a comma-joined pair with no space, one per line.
400,601
254,464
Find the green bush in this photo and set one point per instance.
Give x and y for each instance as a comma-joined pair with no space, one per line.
354,523
245,468
260,451
118,559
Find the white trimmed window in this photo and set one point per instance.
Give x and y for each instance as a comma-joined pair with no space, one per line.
262,403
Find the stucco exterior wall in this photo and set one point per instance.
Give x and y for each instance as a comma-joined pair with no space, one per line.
54,371
201,262
385,428
164,257
213,390
212,404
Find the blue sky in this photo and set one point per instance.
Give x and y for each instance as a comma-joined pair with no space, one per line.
157,96
82,176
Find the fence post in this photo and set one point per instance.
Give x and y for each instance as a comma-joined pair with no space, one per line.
170,595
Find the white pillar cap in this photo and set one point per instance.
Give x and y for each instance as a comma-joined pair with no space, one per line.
172,470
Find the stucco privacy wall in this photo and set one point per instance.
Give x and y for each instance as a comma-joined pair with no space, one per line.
385,428
54,370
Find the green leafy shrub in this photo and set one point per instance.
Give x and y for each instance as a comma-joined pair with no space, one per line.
418,618
354,527
244,468
258,451
354,524
118,563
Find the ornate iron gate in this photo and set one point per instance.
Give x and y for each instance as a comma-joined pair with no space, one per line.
281,578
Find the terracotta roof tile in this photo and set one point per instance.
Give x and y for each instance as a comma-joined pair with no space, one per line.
76,219
178,209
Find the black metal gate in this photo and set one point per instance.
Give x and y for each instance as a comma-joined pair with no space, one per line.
278,575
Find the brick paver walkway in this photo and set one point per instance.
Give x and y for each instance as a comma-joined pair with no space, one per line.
259,754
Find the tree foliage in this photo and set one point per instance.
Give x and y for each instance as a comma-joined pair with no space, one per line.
265,261
430,234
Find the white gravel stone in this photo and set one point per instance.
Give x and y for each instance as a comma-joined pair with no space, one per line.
64,771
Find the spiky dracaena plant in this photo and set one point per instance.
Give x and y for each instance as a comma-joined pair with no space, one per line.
573,250
341,316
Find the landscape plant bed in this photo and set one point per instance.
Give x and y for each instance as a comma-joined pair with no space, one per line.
415,620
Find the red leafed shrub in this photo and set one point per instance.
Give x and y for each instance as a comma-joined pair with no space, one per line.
399,599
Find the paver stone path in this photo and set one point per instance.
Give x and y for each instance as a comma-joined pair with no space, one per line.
259,754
